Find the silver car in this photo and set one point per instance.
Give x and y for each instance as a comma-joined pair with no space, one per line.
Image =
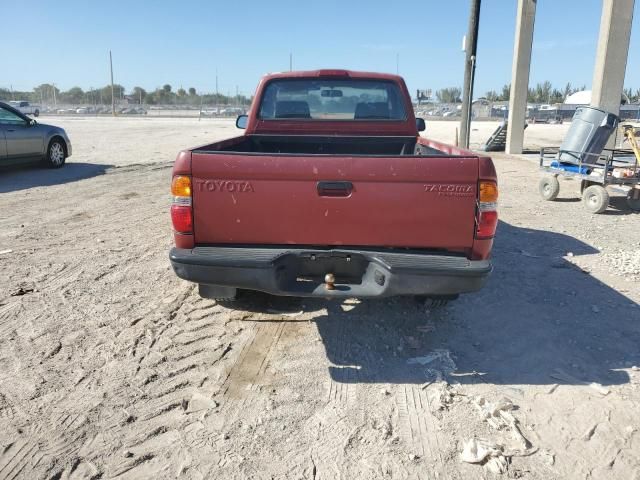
23,140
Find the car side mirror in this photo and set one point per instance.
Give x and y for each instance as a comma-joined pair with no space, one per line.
420,124
241,121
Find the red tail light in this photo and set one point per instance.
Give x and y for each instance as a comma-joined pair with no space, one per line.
487,224
181,218
487,210
181,214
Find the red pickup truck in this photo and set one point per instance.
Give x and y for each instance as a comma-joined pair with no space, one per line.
332,192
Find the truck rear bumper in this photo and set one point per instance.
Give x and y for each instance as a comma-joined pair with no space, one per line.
358,273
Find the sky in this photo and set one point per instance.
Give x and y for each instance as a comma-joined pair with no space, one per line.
184,43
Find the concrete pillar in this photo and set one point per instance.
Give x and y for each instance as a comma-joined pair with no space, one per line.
612,53
520,75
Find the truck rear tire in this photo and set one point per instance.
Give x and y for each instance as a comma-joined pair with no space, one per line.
217,292
595,198
549,187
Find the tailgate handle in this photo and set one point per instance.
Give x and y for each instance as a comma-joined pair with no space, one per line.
335,189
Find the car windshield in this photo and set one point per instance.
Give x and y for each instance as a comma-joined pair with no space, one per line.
330,99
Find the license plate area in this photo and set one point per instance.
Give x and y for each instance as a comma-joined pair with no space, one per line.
346,268
307,270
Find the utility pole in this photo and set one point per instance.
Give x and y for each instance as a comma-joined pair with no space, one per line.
93,100
113,97
55,101
291,62
469,72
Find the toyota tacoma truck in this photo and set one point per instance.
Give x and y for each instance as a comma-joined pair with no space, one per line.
332,192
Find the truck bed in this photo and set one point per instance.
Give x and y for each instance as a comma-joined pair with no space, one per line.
321,145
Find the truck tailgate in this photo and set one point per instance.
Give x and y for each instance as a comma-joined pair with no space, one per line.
408,201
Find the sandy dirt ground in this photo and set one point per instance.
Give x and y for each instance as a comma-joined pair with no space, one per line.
111,367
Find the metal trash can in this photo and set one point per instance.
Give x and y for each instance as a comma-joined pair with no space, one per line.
588,135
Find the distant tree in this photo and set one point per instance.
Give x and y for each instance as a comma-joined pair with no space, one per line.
73,95
8,94
449,95
149,98
139,94
556,96
506,93
456,94
192,91
491,95
531,95
541,93
45,93
93,96
164,96
182,92
105,93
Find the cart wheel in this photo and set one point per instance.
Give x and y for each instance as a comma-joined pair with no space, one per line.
595,198
634,203
549,187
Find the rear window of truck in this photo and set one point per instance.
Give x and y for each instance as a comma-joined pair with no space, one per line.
330,99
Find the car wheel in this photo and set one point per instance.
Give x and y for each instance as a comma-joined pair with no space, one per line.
549,188
56,153
595,198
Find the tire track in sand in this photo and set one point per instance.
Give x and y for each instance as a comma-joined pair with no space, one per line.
418,426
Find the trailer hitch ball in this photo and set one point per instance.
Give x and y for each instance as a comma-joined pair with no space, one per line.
329,281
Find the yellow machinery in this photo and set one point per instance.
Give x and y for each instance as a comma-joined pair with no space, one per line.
631,135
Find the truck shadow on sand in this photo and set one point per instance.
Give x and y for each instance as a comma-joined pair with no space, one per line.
29,176
538,314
